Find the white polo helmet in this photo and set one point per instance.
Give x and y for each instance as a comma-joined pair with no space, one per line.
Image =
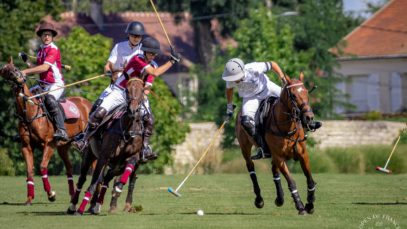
234,70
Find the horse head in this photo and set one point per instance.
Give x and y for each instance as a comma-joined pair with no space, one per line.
296,98
12,74
135,96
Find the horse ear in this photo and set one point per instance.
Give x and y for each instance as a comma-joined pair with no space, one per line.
302,76
10,60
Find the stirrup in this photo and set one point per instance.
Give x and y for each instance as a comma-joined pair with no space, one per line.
260,154
80,145
148,154
61,135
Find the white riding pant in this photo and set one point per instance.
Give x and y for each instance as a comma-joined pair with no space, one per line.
251,104
118,97
106,92
50,87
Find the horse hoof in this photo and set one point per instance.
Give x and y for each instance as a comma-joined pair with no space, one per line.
302,212
112,210
309,207
78,213
96,209
259,202
127,207
52,196
279,202
28,203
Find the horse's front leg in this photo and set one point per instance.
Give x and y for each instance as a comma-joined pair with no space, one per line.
96,178
305,165
47,153
279,201
291,184
129,198
97,206
29,163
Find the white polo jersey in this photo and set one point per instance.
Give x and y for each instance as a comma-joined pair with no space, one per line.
122,52
254,81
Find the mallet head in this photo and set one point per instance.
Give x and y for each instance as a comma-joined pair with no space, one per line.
175,193
383,170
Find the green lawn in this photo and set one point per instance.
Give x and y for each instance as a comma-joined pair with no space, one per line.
343,201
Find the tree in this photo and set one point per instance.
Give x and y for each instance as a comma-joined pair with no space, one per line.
227,11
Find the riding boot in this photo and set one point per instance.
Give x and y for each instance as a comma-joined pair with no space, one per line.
147,153
58,119
94,121
262,150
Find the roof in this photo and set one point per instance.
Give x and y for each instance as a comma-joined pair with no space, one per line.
382,35
181,34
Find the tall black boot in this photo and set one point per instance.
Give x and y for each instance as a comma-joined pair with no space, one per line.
94,121
57,118
250,127
147,152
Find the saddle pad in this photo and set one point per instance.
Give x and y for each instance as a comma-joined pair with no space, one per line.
70,109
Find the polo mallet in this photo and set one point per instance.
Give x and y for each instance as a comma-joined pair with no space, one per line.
384,169
22,54
68,85
175,192
161,23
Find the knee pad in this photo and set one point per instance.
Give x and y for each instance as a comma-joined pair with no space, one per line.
248,124
96,105
51,103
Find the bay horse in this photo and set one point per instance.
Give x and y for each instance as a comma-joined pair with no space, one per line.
36,130
118,148
285,137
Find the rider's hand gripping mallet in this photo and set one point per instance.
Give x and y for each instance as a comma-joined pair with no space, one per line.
384,169
175,192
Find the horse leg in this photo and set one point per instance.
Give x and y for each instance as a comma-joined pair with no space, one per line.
29,162
258,202
87,161
63,153
96,178
47,154
115,197
291,184
102,191
304,161
94,198
279,201
129,199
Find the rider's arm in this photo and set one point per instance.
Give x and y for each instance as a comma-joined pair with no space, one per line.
36,70
229,95
160,70
276,69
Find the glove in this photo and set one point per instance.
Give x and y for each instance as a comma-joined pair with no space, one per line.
229,109
108,73
174,56
23,56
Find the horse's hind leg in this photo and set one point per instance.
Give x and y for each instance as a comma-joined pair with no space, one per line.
279,201
291,185
304,160
46,156
99,199
258,202
63,153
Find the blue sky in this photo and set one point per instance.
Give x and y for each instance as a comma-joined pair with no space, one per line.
358,6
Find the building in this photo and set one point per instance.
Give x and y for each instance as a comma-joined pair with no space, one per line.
374,62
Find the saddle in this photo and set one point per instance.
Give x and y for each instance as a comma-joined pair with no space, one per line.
262,113
70,110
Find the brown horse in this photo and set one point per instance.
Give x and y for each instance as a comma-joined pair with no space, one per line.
285,137
118,148
36,131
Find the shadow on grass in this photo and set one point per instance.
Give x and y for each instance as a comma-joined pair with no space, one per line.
55,213
377,203
22,204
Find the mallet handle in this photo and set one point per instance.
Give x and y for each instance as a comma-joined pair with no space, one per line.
161,23
203,155
392,151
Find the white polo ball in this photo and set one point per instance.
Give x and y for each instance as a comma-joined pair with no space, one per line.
200,212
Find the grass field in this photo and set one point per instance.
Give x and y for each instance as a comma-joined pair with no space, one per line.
343,201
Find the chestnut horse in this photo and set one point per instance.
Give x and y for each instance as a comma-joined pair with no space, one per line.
36,131
118,149
285,137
